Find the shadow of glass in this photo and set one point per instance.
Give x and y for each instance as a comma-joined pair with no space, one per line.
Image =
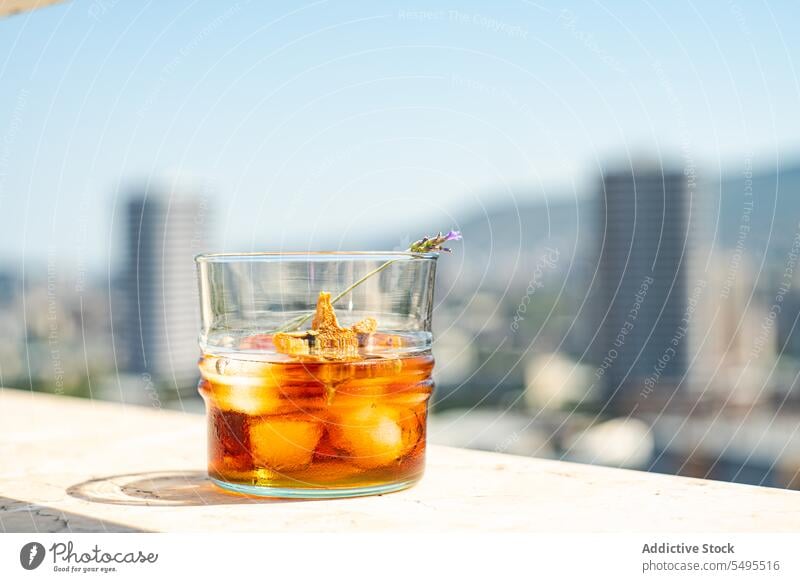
161,488
18,516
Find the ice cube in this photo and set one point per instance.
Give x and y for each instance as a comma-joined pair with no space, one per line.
411,399
261,341
325,451
370,377
269,400
374,435
229,439
246,399
221,370
281,443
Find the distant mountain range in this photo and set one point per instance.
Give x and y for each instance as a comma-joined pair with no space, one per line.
505,243
507,236
775,217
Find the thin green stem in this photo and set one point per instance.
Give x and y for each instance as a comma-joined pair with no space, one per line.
296,322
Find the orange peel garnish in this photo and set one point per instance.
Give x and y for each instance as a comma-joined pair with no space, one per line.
293,344
326,337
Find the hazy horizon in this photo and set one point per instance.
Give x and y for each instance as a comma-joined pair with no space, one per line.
329,121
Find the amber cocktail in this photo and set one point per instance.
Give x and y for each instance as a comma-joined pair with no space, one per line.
332,404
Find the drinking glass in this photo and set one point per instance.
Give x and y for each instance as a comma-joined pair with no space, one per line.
299,405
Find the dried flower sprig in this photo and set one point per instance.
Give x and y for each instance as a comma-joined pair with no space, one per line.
430,244
427,244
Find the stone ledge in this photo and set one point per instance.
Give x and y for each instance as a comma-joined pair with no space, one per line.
74,465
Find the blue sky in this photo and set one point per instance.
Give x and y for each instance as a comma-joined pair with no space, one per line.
323,124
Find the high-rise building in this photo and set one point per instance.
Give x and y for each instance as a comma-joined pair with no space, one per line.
163,233
642,305
735,355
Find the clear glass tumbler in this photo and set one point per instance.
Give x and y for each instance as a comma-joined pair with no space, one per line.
316,370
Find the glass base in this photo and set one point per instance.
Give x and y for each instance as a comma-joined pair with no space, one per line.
307,493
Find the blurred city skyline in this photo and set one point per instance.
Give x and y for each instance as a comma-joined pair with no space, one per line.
304,124
626,178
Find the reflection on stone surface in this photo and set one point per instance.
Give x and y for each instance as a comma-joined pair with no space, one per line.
159,488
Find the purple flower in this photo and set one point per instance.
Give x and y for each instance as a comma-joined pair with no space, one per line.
430,244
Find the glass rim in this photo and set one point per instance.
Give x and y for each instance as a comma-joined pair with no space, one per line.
309,255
